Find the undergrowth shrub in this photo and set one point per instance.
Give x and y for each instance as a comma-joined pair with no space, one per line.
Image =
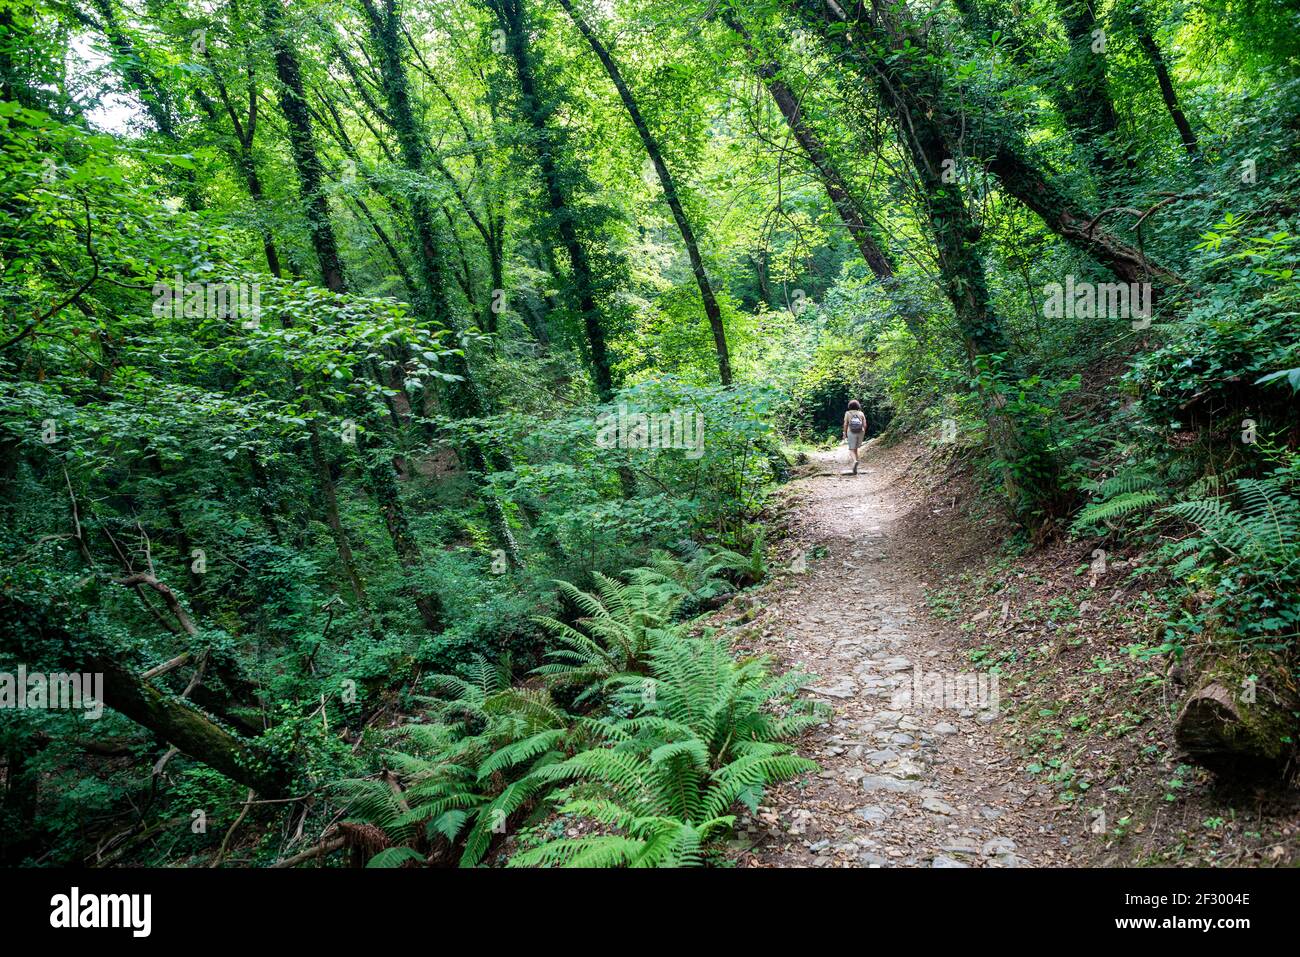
677,731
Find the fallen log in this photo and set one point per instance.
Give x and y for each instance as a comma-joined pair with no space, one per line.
320,850
1241,715
182,726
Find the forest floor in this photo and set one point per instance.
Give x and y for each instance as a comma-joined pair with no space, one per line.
875,574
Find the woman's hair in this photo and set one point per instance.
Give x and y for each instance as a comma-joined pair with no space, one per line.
854,405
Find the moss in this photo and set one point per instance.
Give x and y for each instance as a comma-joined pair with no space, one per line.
1242,711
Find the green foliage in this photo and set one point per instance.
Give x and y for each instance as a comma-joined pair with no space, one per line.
615,634
686,732
703,576
1260,527
1099,513
358,486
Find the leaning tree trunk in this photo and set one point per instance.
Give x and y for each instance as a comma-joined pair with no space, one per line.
1003,155
845,203
1153,53
711,310
185,728
126,693
1025,182
842,198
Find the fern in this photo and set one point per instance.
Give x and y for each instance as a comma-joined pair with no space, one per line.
615,635
701,577
706,737
1136,487
1125,503
1127,481
1262,528
688,733
395,857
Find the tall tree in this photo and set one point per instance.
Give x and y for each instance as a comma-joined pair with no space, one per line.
1001,150
896,60
841,196
1147,41
386,34
669,187
302,144
157,98
243,129
1087,101
307,164
558,175
379,468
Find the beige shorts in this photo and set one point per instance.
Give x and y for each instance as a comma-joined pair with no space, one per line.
855,440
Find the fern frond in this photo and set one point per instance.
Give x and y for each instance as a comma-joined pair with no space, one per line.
1123,504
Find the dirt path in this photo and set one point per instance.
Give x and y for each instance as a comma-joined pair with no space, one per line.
903,783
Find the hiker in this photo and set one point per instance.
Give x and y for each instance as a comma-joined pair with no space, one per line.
855,429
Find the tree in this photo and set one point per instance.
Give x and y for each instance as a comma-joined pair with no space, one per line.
666,182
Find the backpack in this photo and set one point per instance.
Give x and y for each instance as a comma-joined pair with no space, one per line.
857,422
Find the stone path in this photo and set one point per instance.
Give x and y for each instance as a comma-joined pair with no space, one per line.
903,782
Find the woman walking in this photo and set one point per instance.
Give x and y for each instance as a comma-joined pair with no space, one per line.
855,430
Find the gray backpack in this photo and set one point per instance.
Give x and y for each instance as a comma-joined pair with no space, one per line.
857,422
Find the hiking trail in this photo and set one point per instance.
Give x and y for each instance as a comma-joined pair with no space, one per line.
901,783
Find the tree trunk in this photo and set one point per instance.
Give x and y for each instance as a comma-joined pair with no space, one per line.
464,398
1073,224
1004,156
179,534
329,494
841,197
294,105
125,692
1240,714
496,270
911,96
383,482
385,33
1086,101
254,182
302,143
389,247
1152,49
845,204
512,16
182,726
1017,47
711,310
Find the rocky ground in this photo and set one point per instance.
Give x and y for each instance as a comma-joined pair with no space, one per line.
883,581
903,781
